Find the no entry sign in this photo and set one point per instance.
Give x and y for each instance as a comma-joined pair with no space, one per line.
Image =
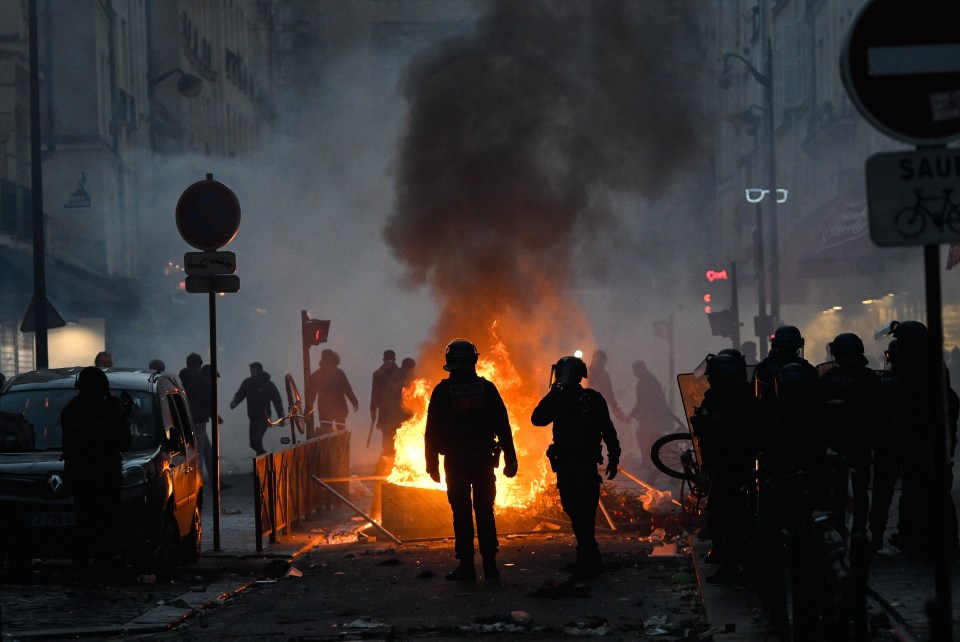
901,66
208,214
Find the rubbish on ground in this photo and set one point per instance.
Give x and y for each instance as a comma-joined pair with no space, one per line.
658,502
294,572
392,561
361,623
598,627
664,550
147,579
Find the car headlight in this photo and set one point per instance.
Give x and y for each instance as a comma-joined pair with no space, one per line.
134,475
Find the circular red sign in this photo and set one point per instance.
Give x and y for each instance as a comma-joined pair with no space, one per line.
900,64
208,215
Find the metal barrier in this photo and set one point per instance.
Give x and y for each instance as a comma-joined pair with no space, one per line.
284,495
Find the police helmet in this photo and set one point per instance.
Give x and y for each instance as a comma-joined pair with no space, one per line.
726,367
787,338
461,355
847,349
568,371
795,382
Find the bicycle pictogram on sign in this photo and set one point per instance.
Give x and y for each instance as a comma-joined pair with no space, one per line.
940,210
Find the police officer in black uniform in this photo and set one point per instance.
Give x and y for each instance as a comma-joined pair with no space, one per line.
854,414
581,421
915,428
786,346
467,423
729,426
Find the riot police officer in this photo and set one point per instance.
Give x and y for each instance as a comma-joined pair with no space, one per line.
786,346
915,428
581,421
853,410
728,424
467,423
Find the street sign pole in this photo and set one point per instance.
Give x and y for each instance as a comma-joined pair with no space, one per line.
901,67
208,217
941,616
214,421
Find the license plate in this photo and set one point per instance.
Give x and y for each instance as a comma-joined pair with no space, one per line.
50,519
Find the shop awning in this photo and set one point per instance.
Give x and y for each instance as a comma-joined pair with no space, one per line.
839,244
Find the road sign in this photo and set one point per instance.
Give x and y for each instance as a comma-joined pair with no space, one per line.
208,214
209,263
913,198
217,283
900,64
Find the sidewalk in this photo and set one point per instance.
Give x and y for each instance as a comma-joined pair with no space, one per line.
734,613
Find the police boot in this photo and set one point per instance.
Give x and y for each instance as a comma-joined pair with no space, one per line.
464,572
490,570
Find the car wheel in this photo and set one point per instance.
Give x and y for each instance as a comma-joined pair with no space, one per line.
191,547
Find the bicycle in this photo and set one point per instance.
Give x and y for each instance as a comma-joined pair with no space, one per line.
295,413
912,220
675,455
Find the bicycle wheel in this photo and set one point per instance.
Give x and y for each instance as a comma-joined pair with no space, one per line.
294,403
910,221
673,455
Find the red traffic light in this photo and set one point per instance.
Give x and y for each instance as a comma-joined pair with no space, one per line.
315,331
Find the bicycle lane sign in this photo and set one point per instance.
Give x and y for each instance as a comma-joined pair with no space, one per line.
913,198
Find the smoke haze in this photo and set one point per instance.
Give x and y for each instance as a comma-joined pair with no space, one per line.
515,173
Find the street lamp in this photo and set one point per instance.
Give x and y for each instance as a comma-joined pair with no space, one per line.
766,81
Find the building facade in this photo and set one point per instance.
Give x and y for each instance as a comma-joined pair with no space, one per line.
122,85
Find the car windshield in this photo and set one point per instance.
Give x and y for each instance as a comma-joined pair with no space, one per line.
39,427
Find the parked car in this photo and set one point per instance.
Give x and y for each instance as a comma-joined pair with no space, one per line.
161,488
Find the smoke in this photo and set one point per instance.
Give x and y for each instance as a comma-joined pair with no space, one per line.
519,139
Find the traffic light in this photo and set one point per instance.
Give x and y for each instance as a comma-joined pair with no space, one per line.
315,331
723,323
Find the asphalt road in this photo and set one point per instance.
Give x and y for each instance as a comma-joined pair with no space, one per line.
324,584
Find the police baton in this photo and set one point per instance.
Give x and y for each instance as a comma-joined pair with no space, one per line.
370,434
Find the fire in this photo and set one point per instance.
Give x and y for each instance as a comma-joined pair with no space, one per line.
530,441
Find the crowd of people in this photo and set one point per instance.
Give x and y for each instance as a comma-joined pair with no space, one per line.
790,417
755,424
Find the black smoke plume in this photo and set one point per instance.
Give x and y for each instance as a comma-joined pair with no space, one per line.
518,135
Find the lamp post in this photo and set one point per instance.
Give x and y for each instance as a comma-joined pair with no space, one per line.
766,81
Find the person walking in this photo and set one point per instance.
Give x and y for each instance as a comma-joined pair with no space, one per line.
200,399
581,425
467,423
259,393
95,432
381,376
601,382
394,410
652,415
331,390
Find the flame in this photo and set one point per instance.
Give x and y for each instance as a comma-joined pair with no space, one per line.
530,441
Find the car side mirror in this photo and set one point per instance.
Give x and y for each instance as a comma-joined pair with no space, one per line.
126,401
176,442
